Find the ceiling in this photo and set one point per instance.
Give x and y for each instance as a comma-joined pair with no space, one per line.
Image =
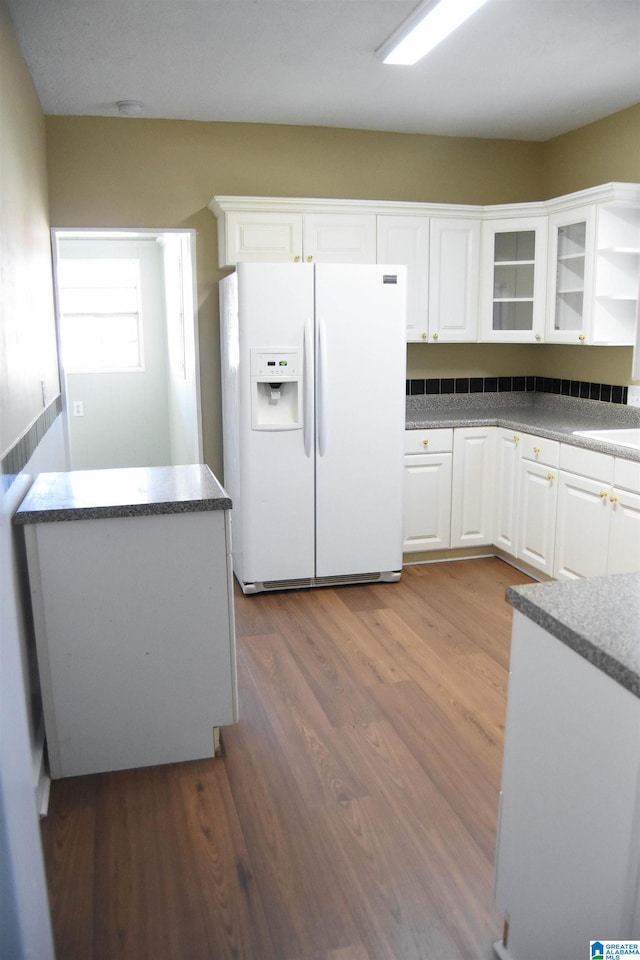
523,69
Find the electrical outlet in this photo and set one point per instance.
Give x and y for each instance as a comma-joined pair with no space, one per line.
78,408
633,396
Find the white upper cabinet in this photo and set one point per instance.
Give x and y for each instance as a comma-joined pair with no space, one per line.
617,273
339,238
258,236
513,279
570,283
454,279
565,270
405,240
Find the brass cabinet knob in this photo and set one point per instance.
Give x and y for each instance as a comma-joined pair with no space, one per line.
551,476
538,336
603,494
309,258
435,336
536,450
582,337
423,335
613,498
425,443
516,438
296,259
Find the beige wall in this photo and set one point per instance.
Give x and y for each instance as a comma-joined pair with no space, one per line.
27,331
151,173
598,153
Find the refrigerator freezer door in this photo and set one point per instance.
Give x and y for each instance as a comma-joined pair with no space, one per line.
276,474
360,402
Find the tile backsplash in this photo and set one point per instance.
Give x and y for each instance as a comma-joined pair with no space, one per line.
609,393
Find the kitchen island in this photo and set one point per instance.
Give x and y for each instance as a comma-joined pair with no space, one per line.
568,854
131,591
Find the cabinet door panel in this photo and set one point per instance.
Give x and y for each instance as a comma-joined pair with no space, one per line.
507,490
570,286
427,502
582,531
339,238
454,280
536,528
624,532
514,266
472,494
406,240
262,237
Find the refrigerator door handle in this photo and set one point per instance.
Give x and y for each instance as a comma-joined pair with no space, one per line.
321,382
307,410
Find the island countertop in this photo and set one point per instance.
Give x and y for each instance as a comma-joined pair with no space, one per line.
124,492
598,618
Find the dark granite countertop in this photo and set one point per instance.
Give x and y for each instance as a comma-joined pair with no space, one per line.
543,414
598,617
126,492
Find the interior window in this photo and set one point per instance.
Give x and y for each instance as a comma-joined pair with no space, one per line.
100,315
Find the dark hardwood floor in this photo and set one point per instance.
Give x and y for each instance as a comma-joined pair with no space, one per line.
353,814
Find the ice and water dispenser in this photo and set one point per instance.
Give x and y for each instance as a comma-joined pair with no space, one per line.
276,388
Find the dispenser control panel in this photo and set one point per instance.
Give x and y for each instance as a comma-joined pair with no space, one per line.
276,363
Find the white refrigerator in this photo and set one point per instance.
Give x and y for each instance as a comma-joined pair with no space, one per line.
313,395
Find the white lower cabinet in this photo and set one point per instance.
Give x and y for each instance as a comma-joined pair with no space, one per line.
582,529
538,500
598,525
507,490
623,554
427,490
563,510
537,518
472,495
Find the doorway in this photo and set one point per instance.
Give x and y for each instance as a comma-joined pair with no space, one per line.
128,346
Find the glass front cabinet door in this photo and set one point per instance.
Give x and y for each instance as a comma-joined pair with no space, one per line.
514,279
570,283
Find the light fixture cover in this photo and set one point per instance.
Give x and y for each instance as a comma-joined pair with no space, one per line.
130,108
430,23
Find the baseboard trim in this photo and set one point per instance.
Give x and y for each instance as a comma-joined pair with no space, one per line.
41,778
474,553
501,951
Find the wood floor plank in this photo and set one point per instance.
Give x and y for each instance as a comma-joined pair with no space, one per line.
369,660
325,667
441,678
290,857
470,786
297,719
68,846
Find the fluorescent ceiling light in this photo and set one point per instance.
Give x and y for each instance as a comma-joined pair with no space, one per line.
430,23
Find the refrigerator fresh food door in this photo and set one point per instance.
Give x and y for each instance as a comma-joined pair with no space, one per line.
275,304
360,412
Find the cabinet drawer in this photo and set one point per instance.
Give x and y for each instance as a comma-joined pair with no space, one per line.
626,474
428,441
588,463
540,449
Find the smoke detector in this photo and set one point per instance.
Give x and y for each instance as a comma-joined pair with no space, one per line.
130,108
